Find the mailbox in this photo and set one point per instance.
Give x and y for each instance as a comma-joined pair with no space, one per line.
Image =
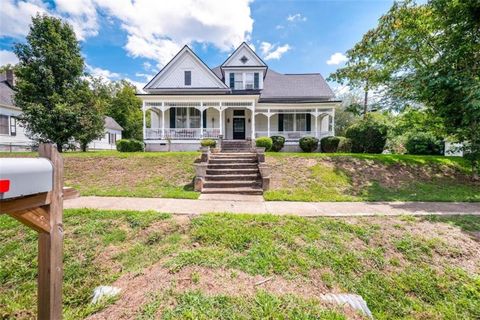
25,176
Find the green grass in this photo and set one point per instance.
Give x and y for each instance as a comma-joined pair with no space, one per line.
369,177
398,268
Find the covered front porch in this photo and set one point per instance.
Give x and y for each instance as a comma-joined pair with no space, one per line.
186,120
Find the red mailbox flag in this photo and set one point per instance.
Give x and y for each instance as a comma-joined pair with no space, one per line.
4,186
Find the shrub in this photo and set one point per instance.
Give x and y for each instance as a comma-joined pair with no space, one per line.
208,143
345,145
129,145
278,143
308,144
264,142
368,135
329,144
424,143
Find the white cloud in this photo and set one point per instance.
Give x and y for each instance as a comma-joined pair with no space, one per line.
7,57
337,58
159,31
81,14
103,73
15,17
279,27
273,51
296,17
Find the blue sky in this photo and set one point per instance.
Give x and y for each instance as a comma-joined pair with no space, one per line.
132,40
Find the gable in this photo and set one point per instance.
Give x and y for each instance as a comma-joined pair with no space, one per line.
244,56
172,76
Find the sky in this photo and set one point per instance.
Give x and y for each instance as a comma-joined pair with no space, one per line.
134,39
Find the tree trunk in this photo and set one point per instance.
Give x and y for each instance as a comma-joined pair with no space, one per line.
365,101
83,146
59,147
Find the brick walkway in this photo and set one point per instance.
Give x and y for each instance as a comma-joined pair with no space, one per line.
252,204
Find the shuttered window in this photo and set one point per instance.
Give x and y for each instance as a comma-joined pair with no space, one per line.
13,126
4,124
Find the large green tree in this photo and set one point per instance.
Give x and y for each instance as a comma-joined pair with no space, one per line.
51,91
429,55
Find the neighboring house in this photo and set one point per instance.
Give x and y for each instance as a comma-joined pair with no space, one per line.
113,133
241,99
12,134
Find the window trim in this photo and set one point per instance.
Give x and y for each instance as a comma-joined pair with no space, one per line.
294,116
13,126
7,126
188,118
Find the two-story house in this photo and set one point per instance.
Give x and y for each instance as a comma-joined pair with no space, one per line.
241,99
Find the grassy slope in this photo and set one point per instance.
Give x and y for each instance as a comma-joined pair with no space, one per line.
138,174
404,267
368,177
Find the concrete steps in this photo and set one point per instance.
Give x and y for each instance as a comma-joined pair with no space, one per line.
233,173
236,146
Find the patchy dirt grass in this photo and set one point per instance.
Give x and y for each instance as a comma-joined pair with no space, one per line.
354,178
210,266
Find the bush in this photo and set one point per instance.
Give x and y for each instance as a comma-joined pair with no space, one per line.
345,145
278,143
264,142
368,135
208,143
424,143
308,144
129,145
329,144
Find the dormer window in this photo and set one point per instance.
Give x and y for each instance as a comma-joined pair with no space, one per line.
188,78
249,81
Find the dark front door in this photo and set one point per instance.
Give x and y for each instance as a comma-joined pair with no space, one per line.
239,128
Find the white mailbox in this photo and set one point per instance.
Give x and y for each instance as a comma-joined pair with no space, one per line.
24,176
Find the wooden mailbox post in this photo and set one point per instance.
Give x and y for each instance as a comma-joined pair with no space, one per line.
43,212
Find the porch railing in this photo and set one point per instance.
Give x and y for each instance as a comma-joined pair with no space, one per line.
182,133
294,135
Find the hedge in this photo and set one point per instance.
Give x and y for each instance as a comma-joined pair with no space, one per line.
208,143
368,135
264,142
278,143
129,145
308,144
424,143
335,144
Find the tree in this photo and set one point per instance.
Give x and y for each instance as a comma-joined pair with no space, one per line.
126,108
50,89
429,55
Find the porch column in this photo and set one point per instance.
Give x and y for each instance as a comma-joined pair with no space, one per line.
268,123
253,121
163,121
316,122
144,121
333,121
220,111
201,120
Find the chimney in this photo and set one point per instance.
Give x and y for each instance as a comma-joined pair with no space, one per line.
11,77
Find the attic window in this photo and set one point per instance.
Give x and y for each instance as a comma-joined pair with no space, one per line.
188,78
244,59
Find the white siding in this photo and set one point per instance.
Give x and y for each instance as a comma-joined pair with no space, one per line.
243,51
174,76
103,143
20,139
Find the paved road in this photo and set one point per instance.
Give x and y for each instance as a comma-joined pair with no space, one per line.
257,205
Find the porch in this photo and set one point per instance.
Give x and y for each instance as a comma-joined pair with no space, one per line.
185,120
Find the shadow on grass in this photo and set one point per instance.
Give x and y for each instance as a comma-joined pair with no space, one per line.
467,223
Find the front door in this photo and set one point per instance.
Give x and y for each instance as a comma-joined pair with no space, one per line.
239,128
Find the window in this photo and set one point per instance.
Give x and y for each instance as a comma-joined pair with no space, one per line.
181,118
3,124
194,118
288,122
112,138
249,81
232,80
301,122
256,80
13,126
188,78
238,81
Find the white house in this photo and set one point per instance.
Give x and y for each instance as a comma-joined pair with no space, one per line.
12,134
241,99
113,133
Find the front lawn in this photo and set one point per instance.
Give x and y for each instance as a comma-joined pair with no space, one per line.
208,266
136,174
369,177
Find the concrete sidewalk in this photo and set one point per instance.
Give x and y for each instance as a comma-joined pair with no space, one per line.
257,205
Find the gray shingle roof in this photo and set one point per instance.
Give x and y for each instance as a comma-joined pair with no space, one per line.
110,123
290,87
6,92
279,87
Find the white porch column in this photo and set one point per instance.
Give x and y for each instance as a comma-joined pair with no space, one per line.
268,123
163,121
316,122
253,120
220,111
144,121
333,121
201,120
